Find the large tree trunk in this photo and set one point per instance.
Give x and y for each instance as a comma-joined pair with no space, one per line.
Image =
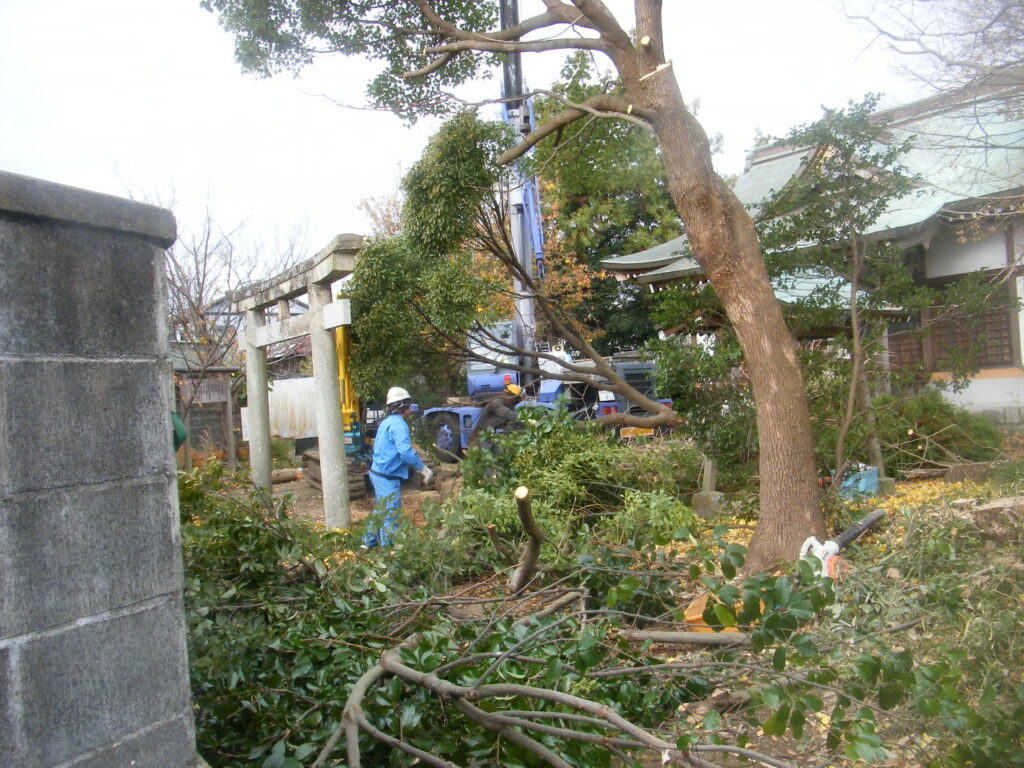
724,242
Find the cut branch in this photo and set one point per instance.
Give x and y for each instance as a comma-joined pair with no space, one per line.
527,567
686,638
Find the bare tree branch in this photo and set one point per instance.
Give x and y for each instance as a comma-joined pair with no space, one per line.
602,105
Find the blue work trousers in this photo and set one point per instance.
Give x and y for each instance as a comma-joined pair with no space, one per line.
383,521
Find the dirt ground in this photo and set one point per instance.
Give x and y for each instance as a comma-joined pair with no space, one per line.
307,501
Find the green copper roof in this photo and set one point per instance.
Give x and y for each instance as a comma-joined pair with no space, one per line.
960,153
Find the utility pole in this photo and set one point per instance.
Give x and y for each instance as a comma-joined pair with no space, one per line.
524,213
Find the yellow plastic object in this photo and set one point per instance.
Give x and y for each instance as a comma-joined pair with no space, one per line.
693,615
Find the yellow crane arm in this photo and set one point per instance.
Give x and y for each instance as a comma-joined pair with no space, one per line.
349,402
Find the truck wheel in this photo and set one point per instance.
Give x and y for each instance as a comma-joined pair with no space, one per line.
446,437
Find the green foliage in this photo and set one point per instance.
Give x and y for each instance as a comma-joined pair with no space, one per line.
282,452
283,618
716,403
394,289
815,234
195,485
963,585
260,626
928,430
287,34
604,193
915,430
450,188
647,517
604,180
415,296
582,479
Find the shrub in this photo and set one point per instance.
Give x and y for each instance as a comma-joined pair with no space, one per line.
928,430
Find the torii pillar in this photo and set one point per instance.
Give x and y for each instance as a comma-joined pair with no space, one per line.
314,278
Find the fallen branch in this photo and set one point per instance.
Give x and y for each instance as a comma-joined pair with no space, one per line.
743,752
685,638
287,475
509,725
555,605
452,692
503,729
352,718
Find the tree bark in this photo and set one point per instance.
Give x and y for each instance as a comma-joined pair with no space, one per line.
724,242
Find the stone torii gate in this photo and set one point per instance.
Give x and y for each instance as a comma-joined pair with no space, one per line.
314,278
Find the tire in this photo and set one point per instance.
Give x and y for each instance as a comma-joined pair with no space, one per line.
446,437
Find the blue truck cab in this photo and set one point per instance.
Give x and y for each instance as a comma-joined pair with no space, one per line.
450,425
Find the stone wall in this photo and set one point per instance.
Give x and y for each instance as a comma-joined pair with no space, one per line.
92,645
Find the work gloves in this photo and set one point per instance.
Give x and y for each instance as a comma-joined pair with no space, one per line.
427,474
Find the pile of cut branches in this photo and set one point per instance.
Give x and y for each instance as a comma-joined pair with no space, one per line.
553,647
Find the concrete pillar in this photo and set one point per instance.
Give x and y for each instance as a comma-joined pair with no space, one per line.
329,427
93,668
258,398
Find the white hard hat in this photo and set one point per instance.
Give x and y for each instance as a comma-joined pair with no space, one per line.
397,394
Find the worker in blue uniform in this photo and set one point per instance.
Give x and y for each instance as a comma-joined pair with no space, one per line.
393,458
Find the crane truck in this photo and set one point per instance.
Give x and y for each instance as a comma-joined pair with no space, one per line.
486,376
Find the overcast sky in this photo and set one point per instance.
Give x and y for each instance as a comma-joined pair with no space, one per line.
143,98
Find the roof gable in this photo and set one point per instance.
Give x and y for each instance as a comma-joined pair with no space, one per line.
966,150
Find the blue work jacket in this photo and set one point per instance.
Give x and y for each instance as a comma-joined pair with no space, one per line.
392,449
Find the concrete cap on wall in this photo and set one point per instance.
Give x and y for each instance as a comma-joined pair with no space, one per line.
24,196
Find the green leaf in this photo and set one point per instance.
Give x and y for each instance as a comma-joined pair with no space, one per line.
777,723
612,598
771,696
410,715
797,720
867,667
276,757
866,747
728,567
807,572
804,645
587,639
779,659
629,585
685,741
891,694
712,720
724,615
783,591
